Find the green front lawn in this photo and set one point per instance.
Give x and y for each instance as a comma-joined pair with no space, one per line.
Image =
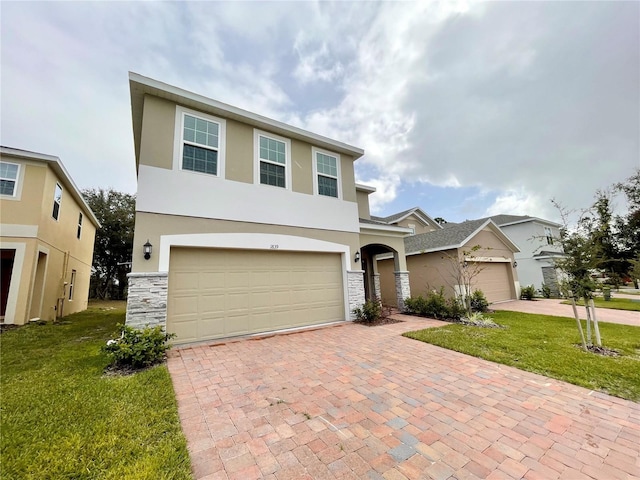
614,303
547,345
62,418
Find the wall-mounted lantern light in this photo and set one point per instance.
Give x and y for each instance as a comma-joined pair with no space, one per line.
357,257
515,264
146,249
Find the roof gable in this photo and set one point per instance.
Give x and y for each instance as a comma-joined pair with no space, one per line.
454,236
416,211
61,172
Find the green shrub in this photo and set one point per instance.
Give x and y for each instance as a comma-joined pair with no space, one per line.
527,293
138,348
479,302
434,305
370,311
545,290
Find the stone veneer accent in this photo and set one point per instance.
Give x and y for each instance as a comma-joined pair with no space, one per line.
355,289
403,290
147,299
376,286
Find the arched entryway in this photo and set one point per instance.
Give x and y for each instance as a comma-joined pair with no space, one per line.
372,286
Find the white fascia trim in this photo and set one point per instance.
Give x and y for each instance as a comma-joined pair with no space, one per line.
178,142
259,120
421,215
314,161
531,219
15,230
58,167
16,276
487,259
257,241
365,188
376,229
256,158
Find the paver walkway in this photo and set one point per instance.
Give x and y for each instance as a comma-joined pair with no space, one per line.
555,307
352,402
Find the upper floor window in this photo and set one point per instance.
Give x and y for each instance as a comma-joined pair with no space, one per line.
201,147
79,225
57,198
412,227
549,235
272,160
8,178
326,168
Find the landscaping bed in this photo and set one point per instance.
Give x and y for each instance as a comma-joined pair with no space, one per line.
547,345
62,417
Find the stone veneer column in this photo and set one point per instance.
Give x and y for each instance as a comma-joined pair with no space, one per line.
376,286
403,290
147,299
355,288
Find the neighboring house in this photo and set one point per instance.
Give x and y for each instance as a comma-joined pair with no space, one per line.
47,233
245,224
435,257
539,248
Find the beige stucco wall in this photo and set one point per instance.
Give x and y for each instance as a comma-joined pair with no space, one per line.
427,271
25,208
55,238
363,204
151,226
418,224
395,242
491,245
157,150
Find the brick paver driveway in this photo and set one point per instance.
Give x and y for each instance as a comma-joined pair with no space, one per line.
356,402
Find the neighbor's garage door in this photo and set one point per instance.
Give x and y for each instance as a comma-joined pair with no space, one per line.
215,293
494,281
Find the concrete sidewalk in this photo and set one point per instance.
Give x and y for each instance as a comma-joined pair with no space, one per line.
555,307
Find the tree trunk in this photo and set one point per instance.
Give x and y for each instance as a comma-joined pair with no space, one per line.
575,314
595,324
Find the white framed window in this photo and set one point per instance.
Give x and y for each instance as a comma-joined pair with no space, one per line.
326,173
201,144
57,199
549,235
71,284
9,178
79,233
272,159
413,228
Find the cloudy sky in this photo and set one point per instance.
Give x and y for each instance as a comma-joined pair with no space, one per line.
463,109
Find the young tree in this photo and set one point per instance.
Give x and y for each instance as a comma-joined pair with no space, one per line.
463,271
627,227
114,241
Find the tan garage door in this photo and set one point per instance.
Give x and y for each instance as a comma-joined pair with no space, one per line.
216,293
494,281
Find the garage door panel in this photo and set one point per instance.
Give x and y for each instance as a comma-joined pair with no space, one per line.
215,293
495,282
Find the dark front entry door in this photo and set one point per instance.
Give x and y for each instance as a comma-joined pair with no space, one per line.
6,268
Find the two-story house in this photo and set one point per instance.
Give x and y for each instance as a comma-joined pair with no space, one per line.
245,224
539,248
47,234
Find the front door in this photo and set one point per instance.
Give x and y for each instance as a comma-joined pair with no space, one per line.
6,269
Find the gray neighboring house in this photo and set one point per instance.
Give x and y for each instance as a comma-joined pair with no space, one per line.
539,248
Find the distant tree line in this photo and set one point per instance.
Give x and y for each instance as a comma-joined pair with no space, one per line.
114,242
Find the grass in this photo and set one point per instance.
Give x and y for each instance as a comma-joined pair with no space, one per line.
614,303
62,418
547,345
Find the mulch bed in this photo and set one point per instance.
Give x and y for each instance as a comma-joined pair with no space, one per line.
378,322
7,326
604,351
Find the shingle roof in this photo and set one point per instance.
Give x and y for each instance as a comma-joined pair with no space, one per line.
451,236
373,221
395,216
503,219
